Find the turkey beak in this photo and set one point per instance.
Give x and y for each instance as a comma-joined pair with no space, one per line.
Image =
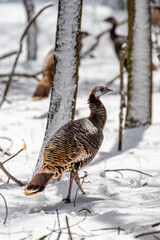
109,90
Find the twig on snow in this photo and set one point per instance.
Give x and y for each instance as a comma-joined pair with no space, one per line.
112,228
20,50
5,152
68,227
5,202
13,155
7,173
128,169
147,234
58,220
10,176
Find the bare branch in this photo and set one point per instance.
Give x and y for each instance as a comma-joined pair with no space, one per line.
58,220
112,228
69,231
13,156
27,75
147,233
8,55
98,37
128,169
20,50
6,208
5,152
10,176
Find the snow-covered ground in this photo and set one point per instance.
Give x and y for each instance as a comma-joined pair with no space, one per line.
126,200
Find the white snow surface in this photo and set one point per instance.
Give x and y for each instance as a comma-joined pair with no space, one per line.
129,200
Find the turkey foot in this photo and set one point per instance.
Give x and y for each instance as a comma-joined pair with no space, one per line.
66,200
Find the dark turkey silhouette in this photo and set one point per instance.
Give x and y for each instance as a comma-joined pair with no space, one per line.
117,40
43,88
72,147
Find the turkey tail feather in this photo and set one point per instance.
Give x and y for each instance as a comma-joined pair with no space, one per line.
38,183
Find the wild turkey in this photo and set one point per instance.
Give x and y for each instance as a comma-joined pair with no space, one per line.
72,147
43,88
117,40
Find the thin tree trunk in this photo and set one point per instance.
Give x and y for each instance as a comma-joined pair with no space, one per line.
139,107
32,33
66,58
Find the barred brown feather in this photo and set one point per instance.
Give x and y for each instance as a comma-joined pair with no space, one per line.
72,147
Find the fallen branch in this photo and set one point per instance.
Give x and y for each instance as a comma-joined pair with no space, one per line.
5,152
10,176
112,228
132,170
13,155
20,50
8,55
68,227
147,233
7,173
5,207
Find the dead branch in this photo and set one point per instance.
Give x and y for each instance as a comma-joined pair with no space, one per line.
128,169
113,79
58,220
147,233
113,228
5,152
13,155
59,234
8,55
98,37
20,50
10,176
7,173
69,231
27,75
5,202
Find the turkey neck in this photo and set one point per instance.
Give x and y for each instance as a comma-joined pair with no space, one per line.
113,33
98,113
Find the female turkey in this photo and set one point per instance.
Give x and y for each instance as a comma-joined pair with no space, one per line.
117,40
72,147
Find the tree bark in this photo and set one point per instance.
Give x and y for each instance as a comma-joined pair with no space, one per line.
66,59
139,106
32,32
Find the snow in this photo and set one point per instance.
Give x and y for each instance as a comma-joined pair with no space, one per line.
128,200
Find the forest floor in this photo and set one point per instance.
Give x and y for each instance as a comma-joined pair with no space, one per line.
118,205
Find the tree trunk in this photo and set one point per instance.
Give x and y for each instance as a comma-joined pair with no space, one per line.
32,33
66,59
139,105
